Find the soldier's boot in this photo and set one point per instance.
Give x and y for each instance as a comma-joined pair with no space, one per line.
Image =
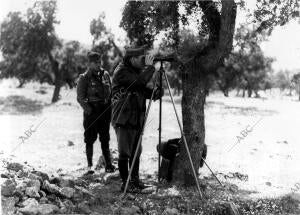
135,179
123,169
89,156
108,165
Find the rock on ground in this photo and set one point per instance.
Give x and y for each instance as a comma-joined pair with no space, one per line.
8,205
171,211
8,187
32,192
67,192
39,209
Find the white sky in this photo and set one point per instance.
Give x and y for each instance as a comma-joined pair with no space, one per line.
75,17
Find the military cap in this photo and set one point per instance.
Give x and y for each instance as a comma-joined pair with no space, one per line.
134,52
93,56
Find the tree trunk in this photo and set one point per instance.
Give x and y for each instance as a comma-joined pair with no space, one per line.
58,78
21,83
226,94
195,85
249,93
193,100
237,91
256,94
299,90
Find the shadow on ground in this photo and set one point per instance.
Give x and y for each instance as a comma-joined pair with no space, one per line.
245,111
20,105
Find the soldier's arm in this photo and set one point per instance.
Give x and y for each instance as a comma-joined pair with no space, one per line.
133,81
81,95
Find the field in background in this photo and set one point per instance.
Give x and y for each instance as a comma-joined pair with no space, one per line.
267,155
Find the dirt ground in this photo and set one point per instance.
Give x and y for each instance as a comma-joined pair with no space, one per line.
264,162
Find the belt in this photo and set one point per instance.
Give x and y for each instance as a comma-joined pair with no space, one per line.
98,101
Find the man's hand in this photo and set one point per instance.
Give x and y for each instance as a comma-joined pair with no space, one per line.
149,60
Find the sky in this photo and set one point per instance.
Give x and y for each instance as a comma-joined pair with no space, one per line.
75,17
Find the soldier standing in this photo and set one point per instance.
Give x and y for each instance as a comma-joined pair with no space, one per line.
129,88
94,96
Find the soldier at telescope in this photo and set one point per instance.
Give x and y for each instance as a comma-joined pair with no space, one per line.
130,91
94,96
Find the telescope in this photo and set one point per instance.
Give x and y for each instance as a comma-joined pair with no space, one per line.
164,58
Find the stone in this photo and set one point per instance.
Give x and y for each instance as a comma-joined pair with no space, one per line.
5,175
15,167
34,177
170,211
70,143
69,205
50,188
39,209
52,197
43,200
42,193
32,192
101,163
8,187
62,182
83,207
29,202
43,175
108,178
19,194
48,208
130,211
8,205
268,183
67,192
21,186
34,183
29,210
22,174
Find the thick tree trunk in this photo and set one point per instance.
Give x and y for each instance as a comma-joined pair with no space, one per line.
193,100
195,85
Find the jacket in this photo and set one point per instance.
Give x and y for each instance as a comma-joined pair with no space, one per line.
129,94
93,89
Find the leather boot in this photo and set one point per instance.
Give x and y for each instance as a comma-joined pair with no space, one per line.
135,179
123,169
108,165
89,154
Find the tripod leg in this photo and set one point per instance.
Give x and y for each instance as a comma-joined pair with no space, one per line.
159,127
182,134
139,141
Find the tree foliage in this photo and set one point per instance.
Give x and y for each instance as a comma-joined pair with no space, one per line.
104,42
28,39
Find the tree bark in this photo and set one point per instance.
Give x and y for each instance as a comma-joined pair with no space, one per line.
195,85
249,93
58,78
193,100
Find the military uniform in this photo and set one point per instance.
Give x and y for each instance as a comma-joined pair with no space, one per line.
94,94
129,94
